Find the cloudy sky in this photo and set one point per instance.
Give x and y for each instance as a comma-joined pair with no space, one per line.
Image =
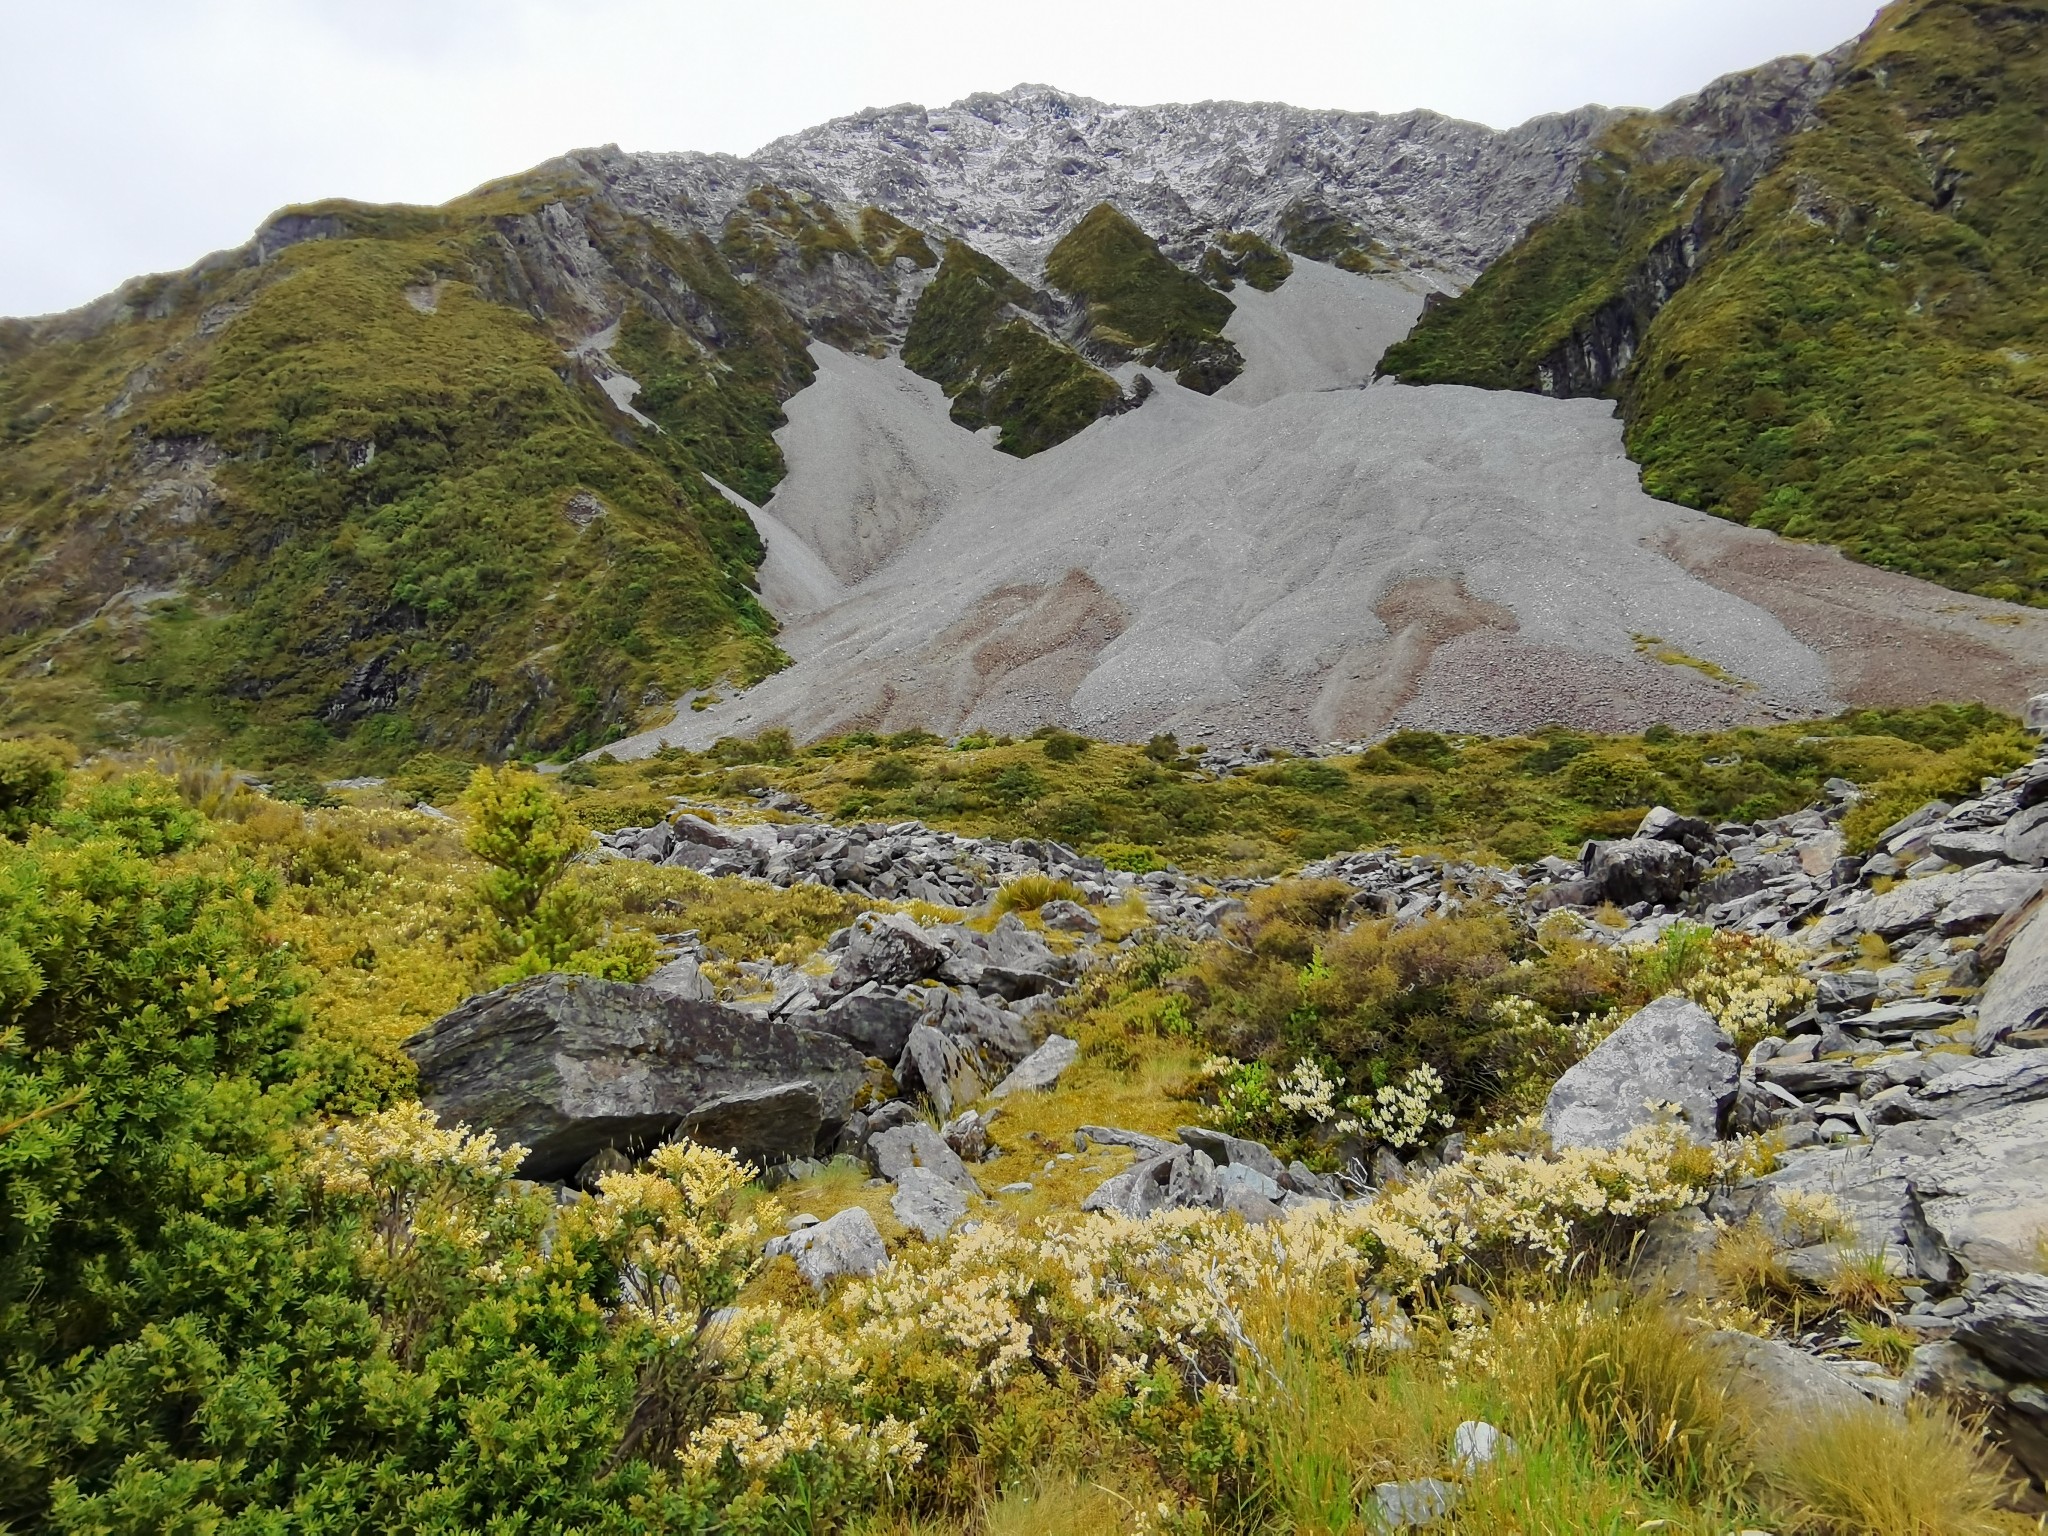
137,135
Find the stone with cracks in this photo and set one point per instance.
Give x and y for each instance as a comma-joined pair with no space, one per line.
569,1065
1671,1052
927,1204
895,1152
1041,1069
891,950
761,1125
1636,869
683,978
2016,998
876,1019
1167,1181
1017,962
945,1070
846,1244
1225,1150
1785,1377
2008,1322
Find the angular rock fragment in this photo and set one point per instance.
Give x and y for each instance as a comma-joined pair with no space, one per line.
1669,1053
846,1244
1041,1069
927,1204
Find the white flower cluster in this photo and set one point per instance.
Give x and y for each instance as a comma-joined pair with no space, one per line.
1308,1091
757,1446
1401,1114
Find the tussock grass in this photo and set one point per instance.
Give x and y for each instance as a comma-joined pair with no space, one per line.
1872,1473
1028,893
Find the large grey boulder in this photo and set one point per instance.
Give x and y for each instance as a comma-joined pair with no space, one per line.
1671,1052
875,1018
1041,1069
1786,1378
2007,1323
1227,1151
1179,1177
891,950
684,978
927,1204
2016,998
1017,962
846,1244
948,1072
1633,869
569,1065
900,1149
762,1124
996,1034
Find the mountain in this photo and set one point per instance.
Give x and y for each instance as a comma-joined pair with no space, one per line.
521,473
1841,339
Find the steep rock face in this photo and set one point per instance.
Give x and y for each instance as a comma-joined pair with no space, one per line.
1565,310
1013,172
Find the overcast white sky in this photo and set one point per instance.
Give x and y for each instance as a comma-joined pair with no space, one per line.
137,135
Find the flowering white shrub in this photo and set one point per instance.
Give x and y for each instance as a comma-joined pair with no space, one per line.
1401,1114
674,1228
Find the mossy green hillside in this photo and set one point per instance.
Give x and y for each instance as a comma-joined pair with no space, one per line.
1140,304
1576,276
1240,255
375,499
970,335
1517,798
1861,353
1864,358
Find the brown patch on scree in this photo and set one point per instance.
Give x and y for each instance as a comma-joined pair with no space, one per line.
1369,684
1888,640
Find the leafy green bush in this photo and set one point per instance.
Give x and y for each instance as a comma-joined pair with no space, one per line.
31,783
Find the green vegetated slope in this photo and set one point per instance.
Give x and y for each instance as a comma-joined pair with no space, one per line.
1241,254
1862,354
1527,317
365,493
1140,304
1309,229
248,1284
970,336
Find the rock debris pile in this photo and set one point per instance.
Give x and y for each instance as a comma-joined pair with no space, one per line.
1912,1091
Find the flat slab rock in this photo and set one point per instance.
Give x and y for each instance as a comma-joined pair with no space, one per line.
1671,1052
567,1066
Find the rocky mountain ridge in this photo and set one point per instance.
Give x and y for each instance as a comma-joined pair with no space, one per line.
1012,172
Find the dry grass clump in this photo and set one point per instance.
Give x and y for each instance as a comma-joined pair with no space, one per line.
1873,1473
1027,893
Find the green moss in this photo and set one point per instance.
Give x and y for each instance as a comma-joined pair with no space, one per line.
887,238
997,367
770,218
1140,304
1242,254
1309,229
